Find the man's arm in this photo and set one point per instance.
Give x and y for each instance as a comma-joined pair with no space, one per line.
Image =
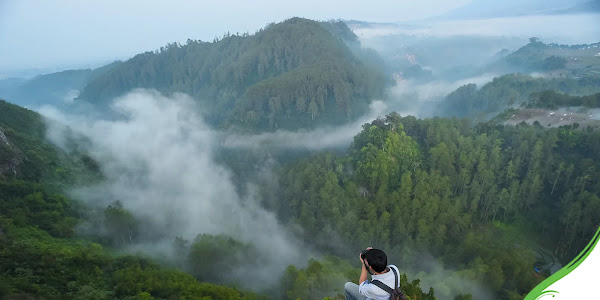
363,271
363,274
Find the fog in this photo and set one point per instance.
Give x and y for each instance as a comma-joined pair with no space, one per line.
560,28
159,162
419,99
160,159
448,283
594,114
316,139
459,49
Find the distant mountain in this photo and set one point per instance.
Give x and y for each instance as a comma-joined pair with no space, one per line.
511,90
586,7
298,73
557,60
56,89
483,9
10,83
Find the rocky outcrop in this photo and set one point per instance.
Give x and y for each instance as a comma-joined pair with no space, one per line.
10,156
3,139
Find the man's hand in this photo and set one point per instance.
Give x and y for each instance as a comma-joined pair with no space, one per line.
360,257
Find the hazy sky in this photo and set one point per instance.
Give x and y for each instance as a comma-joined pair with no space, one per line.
42,33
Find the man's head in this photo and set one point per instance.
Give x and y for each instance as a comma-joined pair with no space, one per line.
376,259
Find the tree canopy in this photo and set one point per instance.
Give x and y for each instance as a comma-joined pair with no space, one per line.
460,193
298,73
509,91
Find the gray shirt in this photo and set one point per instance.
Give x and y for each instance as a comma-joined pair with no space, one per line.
374,292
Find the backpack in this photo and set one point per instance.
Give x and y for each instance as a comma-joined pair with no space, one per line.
396,293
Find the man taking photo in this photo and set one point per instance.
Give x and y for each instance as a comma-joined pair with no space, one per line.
384,282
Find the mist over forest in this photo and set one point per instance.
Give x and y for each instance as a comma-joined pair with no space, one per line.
257,165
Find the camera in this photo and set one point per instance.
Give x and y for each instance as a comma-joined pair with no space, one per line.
362,254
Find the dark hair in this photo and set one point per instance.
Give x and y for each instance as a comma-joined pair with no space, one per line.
376,259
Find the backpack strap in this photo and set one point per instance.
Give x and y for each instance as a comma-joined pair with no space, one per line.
382,286
395,277
388,289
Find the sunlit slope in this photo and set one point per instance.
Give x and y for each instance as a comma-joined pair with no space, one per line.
298,73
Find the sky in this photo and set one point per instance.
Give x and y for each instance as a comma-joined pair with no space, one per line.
46,33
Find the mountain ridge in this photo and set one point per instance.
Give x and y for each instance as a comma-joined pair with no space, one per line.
49,89
240,80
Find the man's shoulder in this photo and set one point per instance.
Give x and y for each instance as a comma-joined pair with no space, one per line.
394,268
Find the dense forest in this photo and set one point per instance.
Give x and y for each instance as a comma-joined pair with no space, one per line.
464,207
461,193
298,73
562,60
42,257
511,90
531,57
552,100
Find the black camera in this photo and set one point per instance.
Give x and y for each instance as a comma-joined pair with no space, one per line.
362,254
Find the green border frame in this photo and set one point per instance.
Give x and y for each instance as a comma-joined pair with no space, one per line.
540,291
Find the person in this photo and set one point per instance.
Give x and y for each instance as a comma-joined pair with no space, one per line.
374,262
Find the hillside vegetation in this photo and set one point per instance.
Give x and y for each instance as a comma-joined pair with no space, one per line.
459,193
510,90
42,257
26,155
465,210
554,59
297,73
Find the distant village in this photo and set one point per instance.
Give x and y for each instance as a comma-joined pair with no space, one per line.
576,47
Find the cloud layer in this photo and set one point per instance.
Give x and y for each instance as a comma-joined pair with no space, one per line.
316,139
158,161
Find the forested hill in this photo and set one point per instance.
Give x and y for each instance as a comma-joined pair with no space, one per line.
557,60
508,91
55,89
24,153
482,200
298,73
40,258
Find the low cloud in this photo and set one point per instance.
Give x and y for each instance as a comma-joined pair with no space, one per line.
411,98
158,161
448,283
70,96
317,139
406,98
559,28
